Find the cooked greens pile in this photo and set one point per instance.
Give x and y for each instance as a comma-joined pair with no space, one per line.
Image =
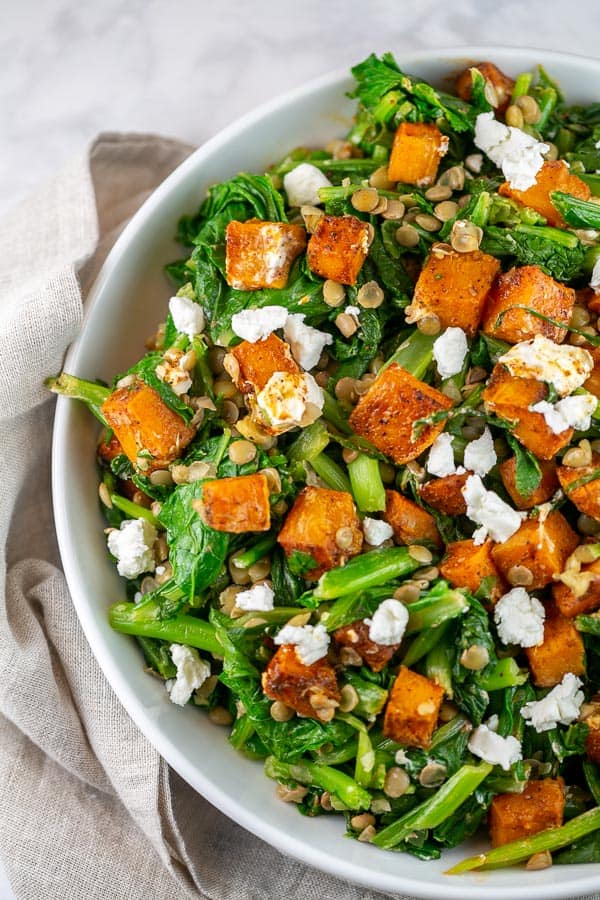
354,483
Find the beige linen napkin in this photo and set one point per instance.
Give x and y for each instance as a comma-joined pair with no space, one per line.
88,809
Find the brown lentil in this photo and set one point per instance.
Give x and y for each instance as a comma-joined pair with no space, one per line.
363,820
381,207
395,210
529,109
432,775
365,199
380,179
349,455
230,412
491,94
104,494
475,657
345,389
349,657
280,712
588,526
445,210
542,860
465,237
367,834
407,592
519,576
552,151
396,782
579,317
238,575
242,452
407,236
387,472
344,538
218,715
448,711
370,295
161,477
273,479
348,698
188,361
578,457
429,574
453,178
325,801
260,570
291,795
300,619
438,192
429,325
347,324
427,222
514,116
311,216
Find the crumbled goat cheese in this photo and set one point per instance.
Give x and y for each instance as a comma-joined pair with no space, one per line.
353,311
496,518
480,455
495,749
449,351
520,618
306,343
258,597
179,380
572,412
192,672
595,277
257,324
187,316
561,365
376,531
560,706
388,623
302,185
514,151
311,641
493,722
440,461
284,399
132,546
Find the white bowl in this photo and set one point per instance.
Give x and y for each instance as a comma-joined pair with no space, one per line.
127,301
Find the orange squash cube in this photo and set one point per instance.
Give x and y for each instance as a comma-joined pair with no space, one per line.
144,424
592,746
545,489
237,504
570,605
502,84
514,817
306,689
445,494
468,566
593,383
411,523
510,398
312,524
553,176
356,636
582,486
454,287
412,710
416,153
542,545
527,286
561,651
385,415
251,365
338,248
260,254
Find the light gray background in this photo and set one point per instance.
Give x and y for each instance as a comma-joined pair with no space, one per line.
188,67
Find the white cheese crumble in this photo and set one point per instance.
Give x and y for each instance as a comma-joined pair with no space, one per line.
514,151
284,399
192,672
562,365
302,185
311,641
257,324
520,618
495,749
440,461
496,518
388,623
306,343
172,374
480,455
449,352
187,316
571,412
257,598
595,277
132,545
560,706
376,531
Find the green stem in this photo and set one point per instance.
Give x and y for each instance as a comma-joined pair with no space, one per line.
345,788
414,354
438,667
332,412
371,697
367,486
246,558
134,510
434,609
522,84
592,776
505,673
423,643
157,656
93,395
311,441
365,760
592,181
519,851
181,629
332,474
588,624
242,731
435,810
367,570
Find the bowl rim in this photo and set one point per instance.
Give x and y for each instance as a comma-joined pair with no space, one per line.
285,842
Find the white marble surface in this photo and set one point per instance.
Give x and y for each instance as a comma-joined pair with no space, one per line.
188,67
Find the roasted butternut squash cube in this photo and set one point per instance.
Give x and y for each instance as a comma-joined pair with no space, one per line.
593,383
416,153
356,636
412,710
338,248
237,504
592,746
545,489
582,486
144,424
260,254
385,415
513,817
454,286
307,689
527,286
466,565
542,545
510,398
251,365
411,523
561,651
445,494
553,176
312,524
569,604
502,84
